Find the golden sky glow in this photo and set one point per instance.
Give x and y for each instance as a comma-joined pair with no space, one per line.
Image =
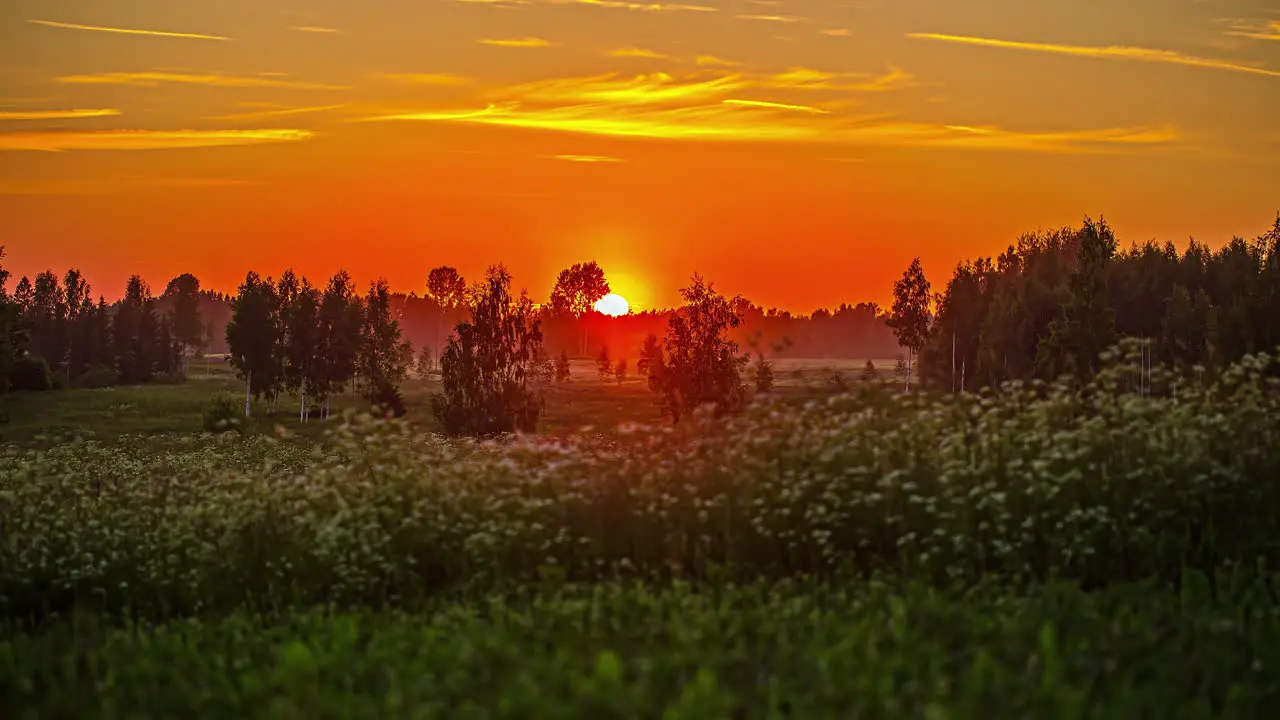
796,151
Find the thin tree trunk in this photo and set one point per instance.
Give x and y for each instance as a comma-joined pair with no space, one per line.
302,415
908,369
248,393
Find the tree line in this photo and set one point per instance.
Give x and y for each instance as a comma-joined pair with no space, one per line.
54,333
1054,301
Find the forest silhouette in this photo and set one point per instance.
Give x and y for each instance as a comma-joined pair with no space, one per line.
1050,305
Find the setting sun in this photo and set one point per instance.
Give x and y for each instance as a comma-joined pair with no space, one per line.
613,305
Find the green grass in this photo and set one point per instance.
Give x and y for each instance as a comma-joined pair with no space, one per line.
1046,551
803,651
43,419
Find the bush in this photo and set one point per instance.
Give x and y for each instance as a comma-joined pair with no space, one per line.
98,376
388,398
30,373
223,414
173,377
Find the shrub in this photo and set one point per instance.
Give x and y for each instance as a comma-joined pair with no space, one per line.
172,377
30,373
98,376
223,414
387,397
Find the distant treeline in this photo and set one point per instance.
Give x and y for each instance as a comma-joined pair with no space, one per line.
53,333
1054,301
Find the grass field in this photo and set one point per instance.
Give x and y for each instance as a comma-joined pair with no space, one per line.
585,401
1046,551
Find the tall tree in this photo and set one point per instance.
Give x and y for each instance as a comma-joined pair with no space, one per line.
76,294
1087,325
576,291
489,364
341,323
700,365
188,330
384,355
13,337
448,289
910,316
134,333
300,337
253,337
47,319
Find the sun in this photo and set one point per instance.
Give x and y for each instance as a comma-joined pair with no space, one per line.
612,305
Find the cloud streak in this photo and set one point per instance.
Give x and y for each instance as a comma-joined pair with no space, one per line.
129,31
771,18
145,139
58,114
775,106
1117,52
1268,30
283,112
642,7
152,79
634,52
585,158
525,42
315,29
761,123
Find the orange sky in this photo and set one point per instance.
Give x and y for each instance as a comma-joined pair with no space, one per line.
798,152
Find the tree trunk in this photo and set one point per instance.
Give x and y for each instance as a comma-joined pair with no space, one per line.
908,369
302,415
248,393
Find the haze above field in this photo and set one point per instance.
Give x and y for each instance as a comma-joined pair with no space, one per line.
800,153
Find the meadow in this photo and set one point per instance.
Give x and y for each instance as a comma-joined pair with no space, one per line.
1046,550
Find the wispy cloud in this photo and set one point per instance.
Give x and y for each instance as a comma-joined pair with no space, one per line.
145,139
643,7
1255,29
835,32
57,114
713,61
770,18
283,112
802,78
152,79
775,106
585,158
724,122
654,88
129,31
495,2
1112,52
316,29
428,78
634,52
525,42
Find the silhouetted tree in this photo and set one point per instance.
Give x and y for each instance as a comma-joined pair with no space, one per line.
562,367
384,355
910,318
341,321
576,292
253,337
134,331
13,336
763,374
699,365
1087,325
188,329
604,366
620,371
300,338
488,365
448,289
